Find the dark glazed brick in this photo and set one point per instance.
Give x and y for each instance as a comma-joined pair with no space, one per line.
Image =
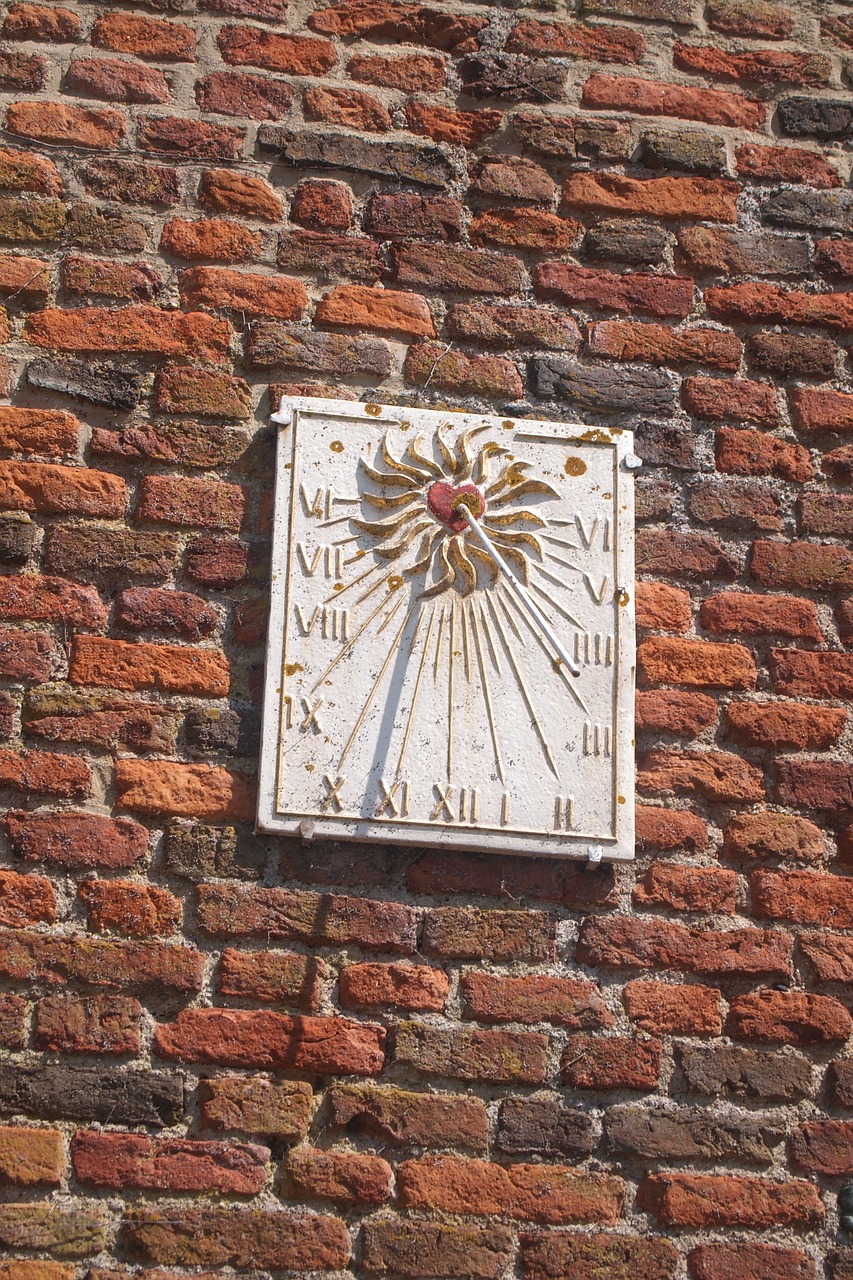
92,1094
510,78
722,1072
618,240
324,149
294,347
98,382
824,118
602,388
529,1126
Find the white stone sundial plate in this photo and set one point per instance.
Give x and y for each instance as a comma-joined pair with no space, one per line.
413,695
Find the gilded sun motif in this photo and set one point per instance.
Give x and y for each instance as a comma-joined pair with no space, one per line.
428,500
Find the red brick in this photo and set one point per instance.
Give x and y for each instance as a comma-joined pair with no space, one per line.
410,1247
663,1008
591,1255
13,1023
116,81
830,513
752,453
662,608
383,310
124,906
741,505
513,178
210,238
149,609
51,599
253,1104
474,933
345,1177
664,711
94,1024
784,725
630,291
102,722
26,655
696,664
53,490
829,954
162,787
364,986
409,216
663,829
824,1146
440,872
459,128
84,277
772,835
838,464
227,192
524,229
27,278
355,257
631,942
751,18
404,23
839,1080
319,204
146,330
30,1157
244,1238
834,257
438,266
802,897
596,44
272,976
759,66
117,664
709,1200
742,613
137,1162
491,376
231,94
44,773
803,565
566,1002
713,775
60,960
719,399
415,72
713,199
350,107
76,839
57,123
208,504
814,784
654,98
658,344
743,1261
400,1117
706,889
264,1040
509,326
215,562
51,432
304,916
788,1017
757,303
145,37
25,900
22,171
210,392
465,1053
816,410
844,618
726,252
38,22
195,139
598,1062
294,55
785,164
537,1193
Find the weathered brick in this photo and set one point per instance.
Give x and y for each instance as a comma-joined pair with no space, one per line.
365,986
146,37
664,829
22,171
421,1248
788,1017
61,1091
272,343
178,612
329,255
511,78
705,1200
785,164
137,1162
696,664
654,98
406,216
804,565
433,363
695,151
401,1118
76,839
787,725
136,910
326,149
598,1062
225,191
629,291
13,1021
217,563
814,784
825,210
435,266
524,229
465,1054
663,1008
553,1193
513,326
117,664
772,835
573,137
789,354
719,399
416,72
720,1071
240,1238
729,252
195,139
99,721
665,197
278,1108
134,965
83,277
350,107
802,117
231,94
30,1157
162,787
736,504
566,1002
54,122
94,1024
537,1126
750,18
839,1081
588,1255
683,555
691,1133
622,942
146,330
116,81
262,1039
601,388
346,1177
658,344
131,181
744,1260
474,934
440,872
76,1231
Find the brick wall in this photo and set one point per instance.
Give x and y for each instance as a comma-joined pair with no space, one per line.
227,1051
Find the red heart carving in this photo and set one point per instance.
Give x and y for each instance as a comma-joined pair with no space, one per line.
445,500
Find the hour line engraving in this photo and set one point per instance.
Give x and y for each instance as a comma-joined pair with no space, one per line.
559,667
334,623
443,804
334,794
331,558
388,804
597,739
487,696
311,720
531,711
417,690
351,643
564,809
380,677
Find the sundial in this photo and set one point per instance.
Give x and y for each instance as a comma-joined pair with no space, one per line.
451,645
